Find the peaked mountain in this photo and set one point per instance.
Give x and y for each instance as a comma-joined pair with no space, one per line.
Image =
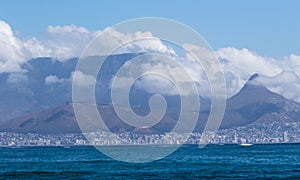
254,103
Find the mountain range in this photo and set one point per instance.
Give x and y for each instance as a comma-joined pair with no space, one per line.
29,104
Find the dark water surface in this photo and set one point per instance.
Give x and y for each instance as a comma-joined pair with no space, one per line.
189,162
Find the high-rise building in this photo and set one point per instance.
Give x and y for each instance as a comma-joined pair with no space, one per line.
285,137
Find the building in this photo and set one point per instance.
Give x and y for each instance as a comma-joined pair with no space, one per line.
285,137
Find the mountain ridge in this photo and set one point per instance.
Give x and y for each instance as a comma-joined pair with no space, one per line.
27,100
252,104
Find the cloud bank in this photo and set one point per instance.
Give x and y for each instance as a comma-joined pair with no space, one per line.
64,42
279,75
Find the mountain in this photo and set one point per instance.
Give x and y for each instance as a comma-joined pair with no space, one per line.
54,120
61,119
27,92
29,103
254,103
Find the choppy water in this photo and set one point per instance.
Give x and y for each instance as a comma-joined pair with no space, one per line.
221,162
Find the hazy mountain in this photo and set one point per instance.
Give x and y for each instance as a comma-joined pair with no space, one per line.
253,104
61,119
26,92
29,103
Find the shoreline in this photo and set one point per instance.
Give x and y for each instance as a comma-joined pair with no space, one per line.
159,145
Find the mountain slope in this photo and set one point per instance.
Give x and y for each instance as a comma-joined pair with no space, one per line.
28,92
255,102
61,119
24,94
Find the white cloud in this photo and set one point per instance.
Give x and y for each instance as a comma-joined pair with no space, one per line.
240,64
82,80
11,50
156,84
111,40
279,75
52,79
156,74
286,83
64,42
244,62
293,63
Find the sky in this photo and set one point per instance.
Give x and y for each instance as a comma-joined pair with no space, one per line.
263,26
259,36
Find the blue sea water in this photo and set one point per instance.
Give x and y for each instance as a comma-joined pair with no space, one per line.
273,161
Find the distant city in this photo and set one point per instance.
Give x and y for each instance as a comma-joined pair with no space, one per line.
254,134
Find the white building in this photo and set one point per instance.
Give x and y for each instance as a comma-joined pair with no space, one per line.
285,137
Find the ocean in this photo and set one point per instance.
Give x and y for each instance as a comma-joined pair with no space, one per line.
271,161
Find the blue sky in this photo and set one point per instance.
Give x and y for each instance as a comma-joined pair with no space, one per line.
269,28
258,36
